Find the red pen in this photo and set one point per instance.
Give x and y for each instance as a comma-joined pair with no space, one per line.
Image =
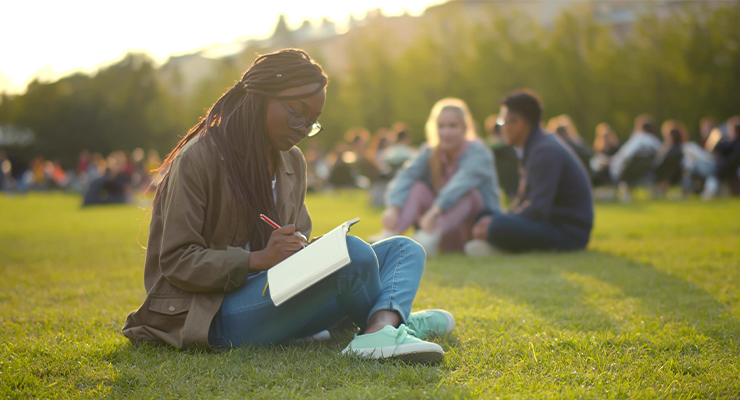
269,221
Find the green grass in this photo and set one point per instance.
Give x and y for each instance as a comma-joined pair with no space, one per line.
652,309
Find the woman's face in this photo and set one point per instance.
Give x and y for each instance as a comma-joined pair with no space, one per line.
282,137
451,129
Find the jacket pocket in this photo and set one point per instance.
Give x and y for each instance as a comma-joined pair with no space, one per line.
170,305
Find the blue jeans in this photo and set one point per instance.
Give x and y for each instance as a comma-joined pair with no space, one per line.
515,233
382,276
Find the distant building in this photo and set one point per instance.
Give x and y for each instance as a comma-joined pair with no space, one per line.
181,74
11,135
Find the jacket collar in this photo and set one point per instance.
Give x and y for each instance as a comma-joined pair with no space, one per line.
282,163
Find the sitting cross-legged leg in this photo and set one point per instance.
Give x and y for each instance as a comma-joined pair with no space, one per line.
456,223
515,233
361,290
419,201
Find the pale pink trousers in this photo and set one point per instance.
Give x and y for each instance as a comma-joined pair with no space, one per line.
456,224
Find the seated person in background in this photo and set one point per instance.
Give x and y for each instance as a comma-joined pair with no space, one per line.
341,162
563,126
668,161
706,125
699,167
642,144
349,165
556,212
379,142
400,150
727,151
366,171
6,181
317,169
35,177
699,164
507,162
606,143
111,188
446,186
374,155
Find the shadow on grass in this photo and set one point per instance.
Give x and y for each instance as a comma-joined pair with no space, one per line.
664,294
584,291
281,371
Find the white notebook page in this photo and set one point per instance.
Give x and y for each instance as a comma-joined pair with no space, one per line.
308,266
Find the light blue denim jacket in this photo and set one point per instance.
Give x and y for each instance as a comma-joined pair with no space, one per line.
475,170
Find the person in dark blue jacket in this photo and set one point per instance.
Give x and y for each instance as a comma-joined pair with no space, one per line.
554,210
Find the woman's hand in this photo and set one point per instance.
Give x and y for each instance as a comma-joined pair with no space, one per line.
283,243
390,218
428,221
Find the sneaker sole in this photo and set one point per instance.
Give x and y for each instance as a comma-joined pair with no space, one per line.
417,353
420,358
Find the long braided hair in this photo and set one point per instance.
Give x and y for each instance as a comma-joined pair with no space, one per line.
236,124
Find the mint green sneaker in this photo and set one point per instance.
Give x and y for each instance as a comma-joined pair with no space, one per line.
395,343
432,322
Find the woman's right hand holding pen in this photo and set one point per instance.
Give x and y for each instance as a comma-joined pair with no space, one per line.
282,244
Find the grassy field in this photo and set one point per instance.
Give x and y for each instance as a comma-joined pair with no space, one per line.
652,309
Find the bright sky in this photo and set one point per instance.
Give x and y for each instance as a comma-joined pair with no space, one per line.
52,38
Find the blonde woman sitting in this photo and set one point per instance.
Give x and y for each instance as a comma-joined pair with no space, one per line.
446,186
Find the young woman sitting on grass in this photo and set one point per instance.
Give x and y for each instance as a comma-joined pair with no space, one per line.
446,186
209,252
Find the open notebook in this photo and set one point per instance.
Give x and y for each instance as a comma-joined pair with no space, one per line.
303,269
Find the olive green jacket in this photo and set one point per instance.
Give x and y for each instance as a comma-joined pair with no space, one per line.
195,254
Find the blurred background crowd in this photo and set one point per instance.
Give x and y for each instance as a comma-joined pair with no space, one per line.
112,179
654,156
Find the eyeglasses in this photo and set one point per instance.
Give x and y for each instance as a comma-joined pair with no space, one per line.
297,120
503,121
